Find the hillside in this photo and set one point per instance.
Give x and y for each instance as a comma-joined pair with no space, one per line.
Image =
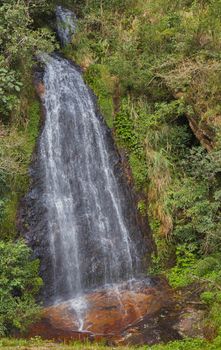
155,67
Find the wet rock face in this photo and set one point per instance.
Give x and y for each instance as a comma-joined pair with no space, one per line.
121,316
80,215
151,313
66,25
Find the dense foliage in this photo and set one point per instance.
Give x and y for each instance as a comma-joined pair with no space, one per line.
19,283
156,67
21,39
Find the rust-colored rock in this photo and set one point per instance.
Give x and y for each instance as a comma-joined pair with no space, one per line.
40,88
109,313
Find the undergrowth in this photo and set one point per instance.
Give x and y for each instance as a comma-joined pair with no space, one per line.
35,343
155,67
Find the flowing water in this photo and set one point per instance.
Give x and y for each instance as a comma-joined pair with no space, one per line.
85,225
66,24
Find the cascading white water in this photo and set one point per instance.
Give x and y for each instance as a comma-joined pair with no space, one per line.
84,200
83,209
65,24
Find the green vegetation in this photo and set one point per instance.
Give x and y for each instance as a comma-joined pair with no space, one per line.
19,284
162,70
101,83
21,37
35,343
155,66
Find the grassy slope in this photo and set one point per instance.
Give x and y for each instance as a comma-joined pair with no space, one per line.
40,345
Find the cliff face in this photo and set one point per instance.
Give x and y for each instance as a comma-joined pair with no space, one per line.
33,215
205,132
154,66
195,81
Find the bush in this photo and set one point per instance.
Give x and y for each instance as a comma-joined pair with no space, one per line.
181,275
19,284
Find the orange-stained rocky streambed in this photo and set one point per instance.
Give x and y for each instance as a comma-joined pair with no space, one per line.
147,314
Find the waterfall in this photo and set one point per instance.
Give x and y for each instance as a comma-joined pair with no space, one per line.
83,217
65,24
87,224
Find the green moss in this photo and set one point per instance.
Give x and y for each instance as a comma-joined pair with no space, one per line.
15,157
142,207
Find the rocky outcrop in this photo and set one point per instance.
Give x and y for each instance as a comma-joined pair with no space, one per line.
120,316
190,322
203,132
150,314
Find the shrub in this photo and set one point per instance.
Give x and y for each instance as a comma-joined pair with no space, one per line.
19,283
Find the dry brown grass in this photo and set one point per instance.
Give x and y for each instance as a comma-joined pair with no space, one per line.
160,179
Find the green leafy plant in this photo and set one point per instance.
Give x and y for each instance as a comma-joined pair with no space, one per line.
9,89
180,275
19,283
